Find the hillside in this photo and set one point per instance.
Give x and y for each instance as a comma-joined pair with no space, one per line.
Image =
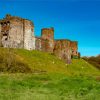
20,60
94,60
34,75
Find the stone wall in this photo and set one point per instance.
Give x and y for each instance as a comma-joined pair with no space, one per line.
74,49
12,32
0,36
33,41
28,33
62,50
17,33
38,43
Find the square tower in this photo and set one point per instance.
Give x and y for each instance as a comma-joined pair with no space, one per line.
47,39
16,32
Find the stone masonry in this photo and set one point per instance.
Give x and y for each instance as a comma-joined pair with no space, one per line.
16,32
62,50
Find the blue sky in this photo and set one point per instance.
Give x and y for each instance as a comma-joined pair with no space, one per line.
72,19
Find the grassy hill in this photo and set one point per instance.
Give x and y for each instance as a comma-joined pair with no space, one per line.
34,75
20,60
94,60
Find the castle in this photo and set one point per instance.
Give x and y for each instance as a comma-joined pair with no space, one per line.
16,32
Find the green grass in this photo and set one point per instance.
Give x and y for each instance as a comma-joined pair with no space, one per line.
48,87
40,62
34,75
81,67
94,60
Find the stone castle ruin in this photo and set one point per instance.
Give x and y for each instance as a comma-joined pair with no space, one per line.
16,32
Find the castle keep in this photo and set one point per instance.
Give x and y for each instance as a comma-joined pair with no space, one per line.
16,32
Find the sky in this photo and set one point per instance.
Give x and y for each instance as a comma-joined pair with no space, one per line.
77,20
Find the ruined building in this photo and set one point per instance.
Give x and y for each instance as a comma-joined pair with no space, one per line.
16,32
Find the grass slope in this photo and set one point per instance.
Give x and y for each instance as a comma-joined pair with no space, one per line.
45,77
19,60
94,60
48,87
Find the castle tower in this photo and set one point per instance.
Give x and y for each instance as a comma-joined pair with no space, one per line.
47,42
17,33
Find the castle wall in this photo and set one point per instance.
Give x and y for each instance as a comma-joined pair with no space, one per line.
62,50
0,36
47,33
45,45
33,41
74,49
28,33
12,32
47,42
37,43
16,33
4,32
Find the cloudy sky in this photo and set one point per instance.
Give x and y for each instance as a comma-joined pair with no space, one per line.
72,19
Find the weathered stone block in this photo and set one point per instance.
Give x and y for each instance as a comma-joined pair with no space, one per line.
62,50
